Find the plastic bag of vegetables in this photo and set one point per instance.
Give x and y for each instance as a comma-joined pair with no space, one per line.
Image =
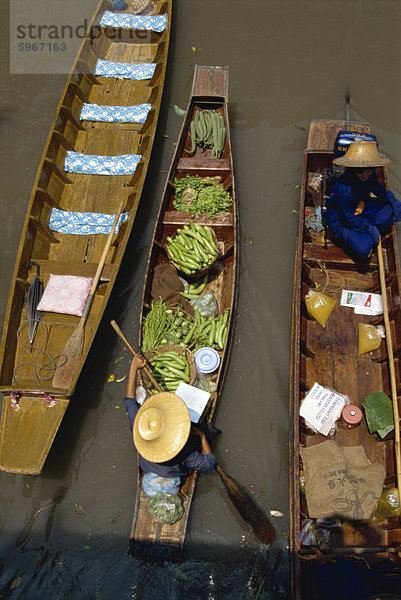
388,505
166,507
206,304
153,483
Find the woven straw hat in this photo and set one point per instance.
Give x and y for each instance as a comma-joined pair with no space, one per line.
137,6
362,153
161,427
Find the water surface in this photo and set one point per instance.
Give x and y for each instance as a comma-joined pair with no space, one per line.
65,533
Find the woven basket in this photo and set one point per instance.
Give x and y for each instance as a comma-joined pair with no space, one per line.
205,269
143,378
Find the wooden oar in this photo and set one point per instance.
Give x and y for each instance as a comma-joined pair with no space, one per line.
247,508
391,365
130,348
72,352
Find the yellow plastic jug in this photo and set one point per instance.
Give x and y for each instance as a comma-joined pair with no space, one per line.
370,337
319,306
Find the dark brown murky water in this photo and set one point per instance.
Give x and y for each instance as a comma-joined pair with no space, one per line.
65,534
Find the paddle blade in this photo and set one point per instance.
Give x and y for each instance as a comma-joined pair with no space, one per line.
69,359
248,509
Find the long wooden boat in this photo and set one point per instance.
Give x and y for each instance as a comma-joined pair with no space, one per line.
329,356
149,537
33,407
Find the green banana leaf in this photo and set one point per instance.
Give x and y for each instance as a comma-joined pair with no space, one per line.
379,413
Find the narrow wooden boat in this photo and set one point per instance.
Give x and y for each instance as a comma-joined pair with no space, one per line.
33,404
149,537
329,356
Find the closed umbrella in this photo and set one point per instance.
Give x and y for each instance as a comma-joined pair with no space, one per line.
35,293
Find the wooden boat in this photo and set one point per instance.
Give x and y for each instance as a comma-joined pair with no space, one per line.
33,405
149,537
329,355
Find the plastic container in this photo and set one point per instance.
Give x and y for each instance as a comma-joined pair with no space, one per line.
207,360
319,306
351,417
118,4
369,337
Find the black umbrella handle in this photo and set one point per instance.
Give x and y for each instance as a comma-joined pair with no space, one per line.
32,262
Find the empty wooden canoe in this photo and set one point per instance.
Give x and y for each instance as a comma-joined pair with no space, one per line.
95,160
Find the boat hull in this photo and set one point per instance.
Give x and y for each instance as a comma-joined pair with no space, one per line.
150,538
26,372
329,356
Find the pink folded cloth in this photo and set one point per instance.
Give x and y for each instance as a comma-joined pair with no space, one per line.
65,294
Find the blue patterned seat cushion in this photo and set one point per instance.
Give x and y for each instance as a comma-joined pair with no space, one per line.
106,68
115,114
94,164
81,223
156,23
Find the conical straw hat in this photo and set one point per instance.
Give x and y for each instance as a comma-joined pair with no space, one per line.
137,6
161,427
362,153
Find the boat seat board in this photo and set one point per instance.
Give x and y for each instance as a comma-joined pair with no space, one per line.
80,269
203,164
173,217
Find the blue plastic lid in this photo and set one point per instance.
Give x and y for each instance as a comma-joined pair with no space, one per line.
207,360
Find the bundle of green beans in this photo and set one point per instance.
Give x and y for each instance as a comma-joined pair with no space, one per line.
169,369
192,248
207,130
157,324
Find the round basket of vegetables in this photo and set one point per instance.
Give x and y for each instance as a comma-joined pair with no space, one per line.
169,364
193,249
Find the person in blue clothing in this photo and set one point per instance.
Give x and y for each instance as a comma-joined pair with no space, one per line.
359,207
167,443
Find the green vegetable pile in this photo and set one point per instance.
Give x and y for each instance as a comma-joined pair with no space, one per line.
207,130
166,507
192,248
199,195
157,324
210,331
169,369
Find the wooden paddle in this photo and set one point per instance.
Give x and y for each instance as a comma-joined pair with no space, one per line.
391,365
246,506
130,348
73,349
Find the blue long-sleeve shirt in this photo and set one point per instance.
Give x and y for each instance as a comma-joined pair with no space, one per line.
346,194
188,460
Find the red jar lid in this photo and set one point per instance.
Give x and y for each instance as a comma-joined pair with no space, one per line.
352,415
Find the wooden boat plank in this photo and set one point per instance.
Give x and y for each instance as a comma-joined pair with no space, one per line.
175,217
210,82
80,269
203,164
79,254
18,428
322,133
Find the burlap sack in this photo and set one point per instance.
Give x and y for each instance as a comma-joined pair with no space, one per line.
340,481
166,285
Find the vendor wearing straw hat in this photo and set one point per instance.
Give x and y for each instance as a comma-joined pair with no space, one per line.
166,443
359,206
